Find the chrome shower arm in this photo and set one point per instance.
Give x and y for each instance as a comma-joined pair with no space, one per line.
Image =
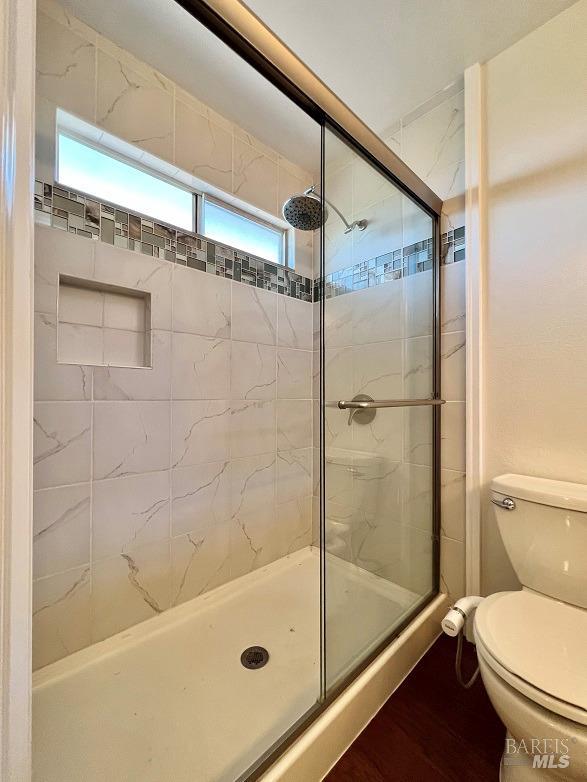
360,224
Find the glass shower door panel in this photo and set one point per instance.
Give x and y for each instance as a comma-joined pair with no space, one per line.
378,345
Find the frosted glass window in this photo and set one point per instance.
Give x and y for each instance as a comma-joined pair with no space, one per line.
83,167
245,233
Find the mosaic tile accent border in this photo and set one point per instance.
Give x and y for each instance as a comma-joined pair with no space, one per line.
393,265
79,214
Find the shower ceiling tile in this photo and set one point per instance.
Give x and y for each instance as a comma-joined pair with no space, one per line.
255,177
65,67
202,147
142,115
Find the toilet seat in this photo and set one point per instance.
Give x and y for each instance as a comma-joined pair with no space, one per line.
538,646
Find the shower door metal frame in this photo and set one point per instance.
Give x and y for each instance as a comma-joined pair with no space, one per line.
239,28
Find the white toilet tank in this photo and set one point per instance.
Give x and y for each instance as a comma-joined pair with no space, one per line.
544,531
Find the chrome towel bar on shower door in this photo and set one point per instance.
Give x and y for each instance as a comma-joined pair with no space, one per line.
366,405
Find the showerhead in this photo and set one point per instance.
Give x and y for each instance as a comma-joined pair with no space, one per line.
304,212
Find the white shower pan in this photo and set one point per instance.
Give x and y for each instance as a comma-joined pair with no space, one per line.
169,698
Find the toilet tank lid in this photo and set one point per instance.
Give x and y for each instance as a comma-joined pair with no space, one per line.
544,491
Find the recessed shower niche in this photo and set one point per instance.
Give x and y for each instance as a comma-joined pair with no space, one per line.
102,324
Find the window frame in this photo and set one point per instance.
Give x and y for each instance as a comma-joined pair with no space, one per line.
136,164
283,232
92,140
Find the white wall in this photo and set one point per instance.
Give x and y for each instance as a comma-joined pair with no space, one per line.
536,287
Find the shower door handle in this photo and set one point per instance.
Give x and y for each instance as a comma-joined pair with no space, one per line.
366,405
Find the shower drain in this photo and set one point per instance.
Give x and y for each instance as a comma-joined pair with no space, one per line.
254,657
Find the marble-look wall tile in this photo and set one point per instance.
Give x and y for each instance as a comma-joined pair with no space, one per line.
202,147
418,298
255,177
57,252
294,475
378,370
453,436
294,424
200,497
294,323
53,381
452,567
66,67
376,315
200,432
200,367
129,588
418,357
294,374
61,529
61,615
453,511
116,266
135,107
211,317
252,512
418,435
119,383
293,523
453,366
78,344
200,561
128,512
82,306
252,428
61,443
435,139
254,314
130,438
253,371
453,300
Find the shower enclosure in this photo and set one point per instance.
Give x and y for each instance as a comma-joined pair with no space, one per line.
236,505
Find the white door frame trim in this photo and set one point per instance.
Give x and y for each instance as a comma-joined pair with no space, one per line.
17,93
476,253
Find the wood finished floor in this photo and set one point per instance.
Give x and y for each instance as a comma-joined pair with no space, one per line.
430,729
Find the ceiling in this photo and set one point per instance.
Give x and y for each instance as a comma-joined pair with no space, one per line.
386,57
382,57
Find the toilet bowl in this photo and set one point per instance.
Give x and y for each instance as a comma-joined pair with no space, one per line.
532,643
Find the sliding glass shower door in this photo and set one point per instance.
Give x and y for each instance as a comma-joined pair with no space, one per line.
379,409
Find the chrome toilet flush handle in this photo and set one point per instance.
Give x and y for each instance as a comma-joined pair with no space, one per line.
507,503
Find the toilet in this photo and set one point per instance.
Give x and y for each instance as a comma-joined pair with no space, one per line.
532,643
